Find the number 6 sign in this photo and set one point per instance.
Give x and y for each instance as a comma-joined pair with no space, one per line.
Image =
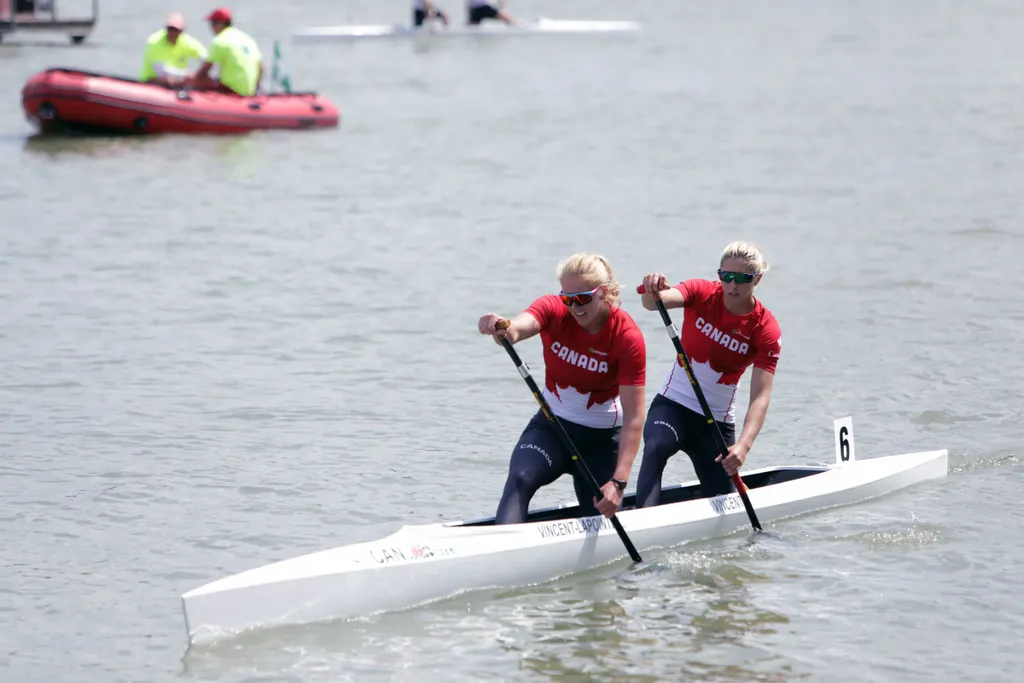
843,429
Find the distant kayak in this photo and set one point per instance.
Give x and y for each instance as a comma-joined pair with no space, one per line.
495,28
69,100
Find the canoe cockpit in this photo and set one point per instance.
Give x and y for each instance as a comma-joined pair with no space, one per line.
670,494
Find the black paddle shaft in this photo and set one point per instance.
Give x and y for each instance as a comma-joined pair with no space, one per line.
719,439
581,466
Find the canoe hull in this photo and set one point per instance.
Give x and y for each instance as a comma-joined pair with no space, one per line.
420,564
542,26
59,100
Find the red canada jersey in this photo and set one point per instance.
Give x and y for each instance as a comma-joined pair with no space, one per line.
720,346
583,371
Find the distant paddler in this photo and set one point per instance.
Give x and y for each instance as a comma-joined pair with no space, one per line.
477,11
424,11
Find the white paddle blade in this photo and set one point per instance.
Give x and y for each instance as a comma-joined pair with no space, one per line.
843,428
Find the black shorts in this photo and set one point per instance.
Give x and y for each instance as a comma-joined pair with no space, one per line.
480,12
540,457
671,428
419,16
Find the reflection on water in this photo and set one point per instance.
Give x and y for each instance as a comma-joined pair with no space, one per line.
895,537
96,145
242,155
661,622
693,602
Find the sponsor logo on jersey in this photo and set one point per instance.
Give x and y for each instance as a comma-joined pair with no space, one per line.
716,335
580,360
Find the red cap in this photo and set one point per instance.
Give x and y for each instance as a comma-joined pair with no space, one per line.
221,14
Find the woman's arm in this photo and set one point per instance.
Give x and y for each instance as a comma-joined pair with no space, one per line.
760,396
632,399
522,326
672,298
655,282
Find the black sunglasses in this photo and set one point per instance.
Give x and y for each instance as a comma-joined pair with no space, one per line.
730,276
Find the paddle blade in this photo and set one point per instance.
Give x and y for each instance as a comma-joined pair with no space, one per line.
741,488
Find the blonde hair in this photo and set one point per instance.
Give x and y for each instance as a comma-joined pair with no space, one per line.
595,270
749,253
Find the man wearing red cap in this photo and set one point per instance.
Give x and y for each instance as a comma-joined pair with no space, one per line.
168,52
237,54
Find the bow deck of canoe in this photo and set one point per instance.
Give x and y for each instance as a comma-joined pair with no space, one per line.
423,563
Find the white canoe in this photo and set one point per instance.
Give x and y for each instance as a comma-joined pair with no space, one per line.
490,28
422,563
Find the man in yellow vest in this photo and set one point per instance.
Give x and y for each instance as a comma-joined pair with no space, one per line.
168,52
239,58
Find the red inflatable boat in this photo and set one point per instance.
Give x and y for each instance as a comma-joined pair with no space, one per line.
66,99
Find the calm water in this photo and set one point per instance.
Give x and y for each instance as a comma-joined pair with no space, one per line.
217,353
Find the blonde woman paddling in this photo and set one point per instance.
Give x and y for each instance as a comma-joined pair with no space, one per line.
595,365
725,330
